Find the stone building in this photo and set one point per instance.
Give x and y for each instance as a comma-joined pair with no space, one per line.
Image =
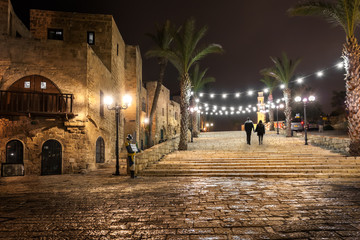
167,116
53,79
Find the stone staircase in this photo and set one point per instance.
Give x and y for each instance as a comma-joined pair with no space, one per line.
257,161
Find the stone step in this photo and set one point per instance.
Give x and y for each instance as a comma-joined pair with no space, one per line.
261,162
305,170
260,175
246,166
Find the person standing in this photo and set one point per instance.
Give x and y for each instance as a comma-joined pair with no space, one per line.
132,149
260,129
249,127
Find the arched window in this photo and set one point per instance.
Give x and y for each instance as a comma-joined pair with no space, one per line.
14,152
100,150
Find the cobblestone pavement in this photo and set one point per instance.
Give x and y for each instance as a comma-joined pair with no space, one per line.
101,206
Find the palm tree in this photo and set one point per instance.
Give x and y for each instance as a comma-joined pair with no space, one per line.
283,72
198,81
186,53
344,13
270,83
162,39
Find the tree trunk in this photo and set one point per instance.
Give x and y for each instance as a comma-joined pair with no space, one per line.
351,56
194,118
287,96
185,88
271,112
162,63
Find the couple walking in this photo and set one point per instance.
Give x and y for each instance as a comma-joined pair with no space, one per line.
260,129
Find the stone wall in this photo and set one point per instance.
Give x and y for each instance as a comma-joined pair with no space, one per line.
133,87
10,24
155,153
75,27
338,144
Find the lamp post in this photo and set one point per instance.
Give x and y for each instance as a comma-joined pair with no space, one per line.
277,116
126,103
305,100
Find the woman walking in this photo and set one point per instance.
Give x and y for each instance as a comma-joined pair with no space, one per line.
260,129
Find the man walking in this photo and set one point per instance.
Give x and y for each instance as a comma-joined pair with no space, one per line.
249,126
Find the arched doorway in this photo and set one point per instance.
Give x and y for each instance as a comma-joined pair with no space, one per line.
100,150
51,161
14,152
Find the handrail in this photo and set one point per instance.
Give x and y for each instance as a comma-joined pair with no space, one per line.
37,102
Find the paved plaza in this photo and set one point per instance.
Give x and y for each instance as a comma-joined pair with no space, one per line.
99,205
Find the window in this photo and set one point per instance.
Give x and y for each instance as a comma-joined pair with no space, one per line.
143,105
101,104
14,152
11,24
91,38
56,34
27,84
43,85
100,150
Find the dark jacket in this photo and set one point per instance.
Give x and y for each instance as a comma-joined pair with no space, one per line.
260,129
249,126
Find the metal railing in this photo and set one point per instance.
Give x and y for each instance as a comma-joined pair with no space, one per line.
17,103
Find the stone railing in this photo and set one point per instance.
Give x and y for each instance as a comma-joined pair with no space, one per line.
155,153
338,144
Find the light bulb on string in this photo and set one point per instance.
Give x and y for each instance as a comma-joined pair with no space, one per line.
282,86
320,73
237,95
300,80
224,95
250,92
340,65
266,90
201,94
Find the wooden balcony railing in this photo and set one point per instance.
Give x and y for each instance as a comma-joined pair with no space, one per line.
23,103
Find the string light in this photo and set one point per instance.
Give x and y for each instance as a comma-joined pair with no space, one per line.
320,73
339,65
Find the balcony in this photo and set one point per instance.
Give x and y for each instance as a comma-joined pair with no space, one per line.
13,103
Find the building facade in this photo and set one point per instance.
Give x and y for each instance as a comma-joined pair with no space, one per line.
53,80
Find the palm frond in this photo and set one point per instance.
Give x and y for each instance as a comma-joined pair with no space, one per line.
198,79
344,13
201,53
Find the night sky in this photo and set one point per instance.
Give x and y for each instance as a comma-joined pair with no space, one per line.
249,31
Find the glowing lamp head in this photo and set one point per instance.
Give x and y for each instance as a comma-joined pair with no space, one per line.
281,106
250,92
298,99
282,86
207,125
197,100
266,90
127,100
312,98
300,80
146,120
108,100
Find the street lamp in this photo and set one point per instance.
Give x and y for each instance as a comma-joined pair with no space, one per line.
108,100
277,116
305,100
